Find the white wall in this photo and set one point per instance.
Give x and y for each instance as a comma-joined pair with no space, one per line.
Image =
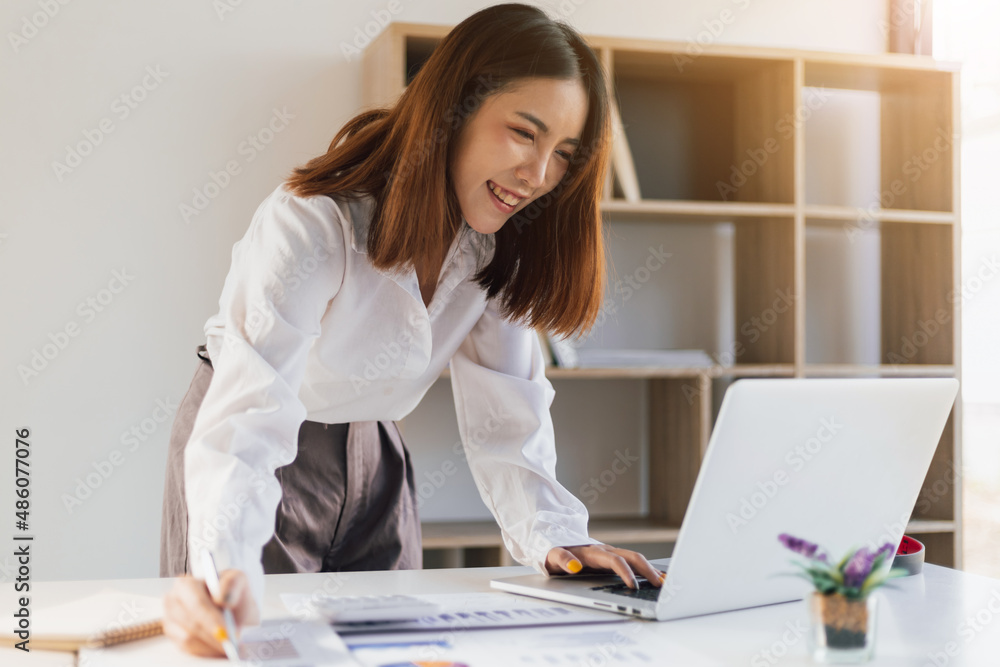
221,78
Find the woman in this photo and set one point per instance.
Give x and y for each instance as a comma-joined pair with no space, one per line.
443,228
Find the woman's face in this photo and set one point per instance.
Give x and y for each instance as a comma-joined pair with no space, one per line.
520,141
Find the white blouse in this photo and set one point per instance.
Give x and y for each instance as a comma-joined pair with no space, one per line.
307,328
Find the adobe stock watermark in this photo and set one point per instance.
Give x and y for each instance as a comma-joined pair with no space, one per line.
892,533
129,613
477,438
712,30
333,583
380,18
900,14
939,489
634,281
131,439
387,362
87,309
967,630
740,174
797,457
293,272
914,167
602,648
592,489
249,149
305,609
452,119
567,8
8,569
795,630
927,329
363,35
610,650
122,107
32,24
753,328
971,286
211,528
225,7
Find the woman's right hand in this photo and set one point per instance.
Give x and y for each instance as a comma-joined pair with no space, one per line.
192,619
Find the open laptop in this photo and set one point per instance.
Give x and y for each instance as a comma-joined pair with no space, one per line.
838,462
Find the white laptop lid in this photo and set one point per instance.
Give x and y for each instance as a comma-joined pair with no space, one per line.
838,462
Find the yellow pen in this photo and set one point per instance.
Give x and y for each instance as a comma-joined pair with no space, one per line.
215,588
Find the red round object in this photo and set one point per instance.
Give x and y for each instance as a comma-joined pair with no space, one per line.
909,546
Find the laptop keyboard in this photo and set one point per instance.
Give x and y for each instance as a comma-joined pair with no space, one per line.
646,590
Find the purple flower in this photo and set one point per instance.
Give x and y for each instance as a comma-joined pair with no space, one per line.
889,548
802,547
859,567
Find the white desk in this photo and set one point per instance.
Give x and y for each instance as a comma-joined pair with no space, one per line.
920,621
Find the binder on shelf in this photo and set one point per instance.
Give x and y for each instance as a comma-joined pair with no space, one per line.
563,352
621,158
543,340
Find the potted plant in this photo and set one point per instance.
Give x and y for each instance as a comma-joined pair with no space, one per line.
842,609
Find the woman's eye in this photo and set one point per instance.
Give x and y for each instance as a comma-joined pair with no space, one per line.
528,135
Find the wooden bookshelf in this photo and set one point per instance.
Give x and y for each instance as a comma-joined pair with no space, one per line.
712,113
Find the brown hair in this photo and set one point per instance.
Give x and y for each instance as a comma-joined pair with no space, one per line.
548,265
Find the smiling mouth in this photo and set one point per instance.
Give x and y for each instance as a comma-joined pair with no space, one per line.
493,187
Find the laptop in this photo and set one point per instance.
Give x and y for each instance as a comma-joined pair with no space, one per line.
838,462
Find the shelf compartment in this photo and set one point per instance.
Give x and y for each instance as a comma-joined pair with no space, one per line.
890,304
842,297
917,283
679,426
918,145
765,291
867,73
909,109
941,547
394,57
942,484
707,129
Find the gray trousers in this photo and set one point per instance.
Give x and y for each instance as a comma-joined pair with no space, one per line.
347,500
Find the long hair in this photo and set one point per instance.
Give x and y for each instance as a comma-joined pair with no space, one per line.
548,265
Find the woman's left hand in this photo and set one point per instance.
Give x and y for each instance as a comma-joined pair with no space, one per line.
622,562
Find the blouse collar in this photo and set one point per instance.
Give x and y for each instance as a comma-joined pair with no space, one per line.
472,244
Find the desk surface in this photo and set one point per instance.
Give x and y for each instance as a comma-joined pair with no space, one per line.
940,617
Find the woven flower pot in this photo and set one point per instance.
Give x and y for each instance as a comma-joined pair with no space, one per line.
841,630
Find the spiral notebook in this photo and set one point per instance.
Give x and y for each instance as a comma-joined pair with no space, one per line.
102,619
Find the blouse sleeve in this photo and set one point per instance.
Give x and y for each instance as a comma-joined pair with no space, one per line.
502,401
284,272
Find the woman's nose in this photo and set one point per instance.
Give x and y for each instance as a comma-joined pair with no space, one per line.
533,171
